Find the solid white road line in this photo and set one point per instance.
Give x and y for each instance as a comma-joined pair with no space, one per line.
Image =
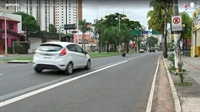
150,101
4,103
1,74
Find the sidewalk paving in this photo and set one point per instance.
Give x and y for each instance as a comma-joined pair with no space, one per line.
189,96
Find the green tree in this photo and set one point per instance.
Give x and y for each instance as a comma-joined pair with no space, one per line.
28,22
159,17
187,20
52,29
99,29
151,41
119,21
84,27
109,36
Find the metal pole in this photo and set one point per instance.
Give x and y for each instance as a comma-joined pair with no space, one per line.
176,35
77,23
5,34
119,33
59,32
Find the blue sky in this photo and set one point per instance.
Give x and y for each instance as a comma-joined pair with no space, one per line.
135,10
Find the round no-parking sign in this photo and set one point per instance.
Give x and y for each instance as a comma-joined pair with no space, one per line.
176,23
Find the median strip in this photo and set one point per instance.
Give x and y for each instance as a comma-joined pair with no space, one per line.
28,59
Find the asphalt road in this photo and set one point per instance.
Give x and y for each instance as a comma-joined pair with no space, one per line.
122,88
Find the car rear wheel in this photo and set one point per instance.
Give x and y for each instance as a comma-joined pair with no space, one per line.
87,67
38,70
69,69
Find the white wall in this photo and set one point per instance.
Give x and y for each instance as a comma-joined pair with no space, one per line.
34,43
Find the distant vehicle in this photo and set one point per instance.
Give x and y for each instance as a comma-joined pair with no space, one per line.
141,51
62,56
152,50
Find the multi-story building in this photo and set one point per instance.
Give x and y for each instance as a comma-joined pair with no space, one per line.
66,12
7,6
195,39
56,12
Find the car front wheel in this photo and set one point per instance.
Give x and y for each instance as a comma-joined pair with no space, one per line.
88,65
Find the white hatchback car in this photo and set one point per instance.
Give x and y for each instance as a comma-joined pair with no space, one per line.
63,56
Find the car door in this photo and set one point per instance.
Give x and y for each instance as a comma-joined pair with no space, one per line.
74,55
81,56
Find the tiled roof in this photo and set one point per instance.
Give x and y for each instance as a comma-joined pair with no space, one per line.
8,19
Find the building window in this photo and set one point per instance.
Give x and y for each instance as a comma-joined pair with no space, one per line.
10,26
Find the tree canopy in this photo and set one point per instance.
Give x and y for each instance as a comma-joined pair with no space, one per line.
28,22
116,29
52,29
186,19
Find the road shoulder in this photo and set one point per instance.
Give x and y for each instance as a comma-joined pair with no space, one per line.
163,98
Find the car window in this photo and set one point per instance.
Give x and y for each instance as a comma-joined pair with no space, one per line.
71,47
79,49
50,47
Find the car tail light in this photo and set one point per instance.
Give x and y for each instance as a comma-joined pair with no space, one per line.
63,52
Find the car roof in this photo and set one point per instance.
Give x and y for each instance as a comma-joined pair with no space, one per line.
59,43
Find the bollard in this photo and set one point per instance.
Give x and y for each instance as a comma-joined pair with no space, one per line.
198,50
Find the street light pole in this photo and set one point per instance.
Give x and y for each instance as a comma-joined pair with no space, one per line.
5,22
119,33
77,23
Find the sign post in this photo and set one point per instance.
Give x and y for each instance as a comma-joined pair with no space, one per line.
176,23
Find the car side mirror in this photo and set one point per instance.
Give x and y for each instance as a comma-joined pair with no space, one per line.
85,52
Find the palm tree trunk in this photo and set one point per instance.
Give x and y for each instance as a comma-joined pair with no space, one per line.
165,33
107,47
99,43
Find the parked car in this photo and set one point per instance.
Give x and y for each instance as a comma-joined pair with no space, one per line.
62,56
141,51
152,50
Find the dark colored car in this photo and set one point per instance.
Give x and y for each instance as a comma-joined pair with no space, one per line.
152,50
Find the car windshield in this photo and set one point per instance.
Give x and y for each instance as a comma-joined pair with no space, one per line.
50,47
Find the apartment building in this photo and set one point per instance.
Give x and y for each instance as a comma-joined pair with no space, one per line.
57,12
8,6
66,12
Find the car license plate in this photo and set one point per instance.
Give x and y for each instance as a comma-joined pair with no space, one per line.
46,57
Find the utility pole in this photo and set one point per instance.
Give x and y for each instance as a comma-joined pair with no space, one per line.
6,51
119,32
177,57
77,25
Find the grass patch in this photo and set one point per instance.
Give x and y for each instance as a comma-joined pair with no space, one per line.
19,58
182,84
92,55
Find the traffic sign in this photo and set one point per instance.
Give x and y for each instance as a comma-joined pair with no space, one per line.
74,31
146,32
69,26
176,23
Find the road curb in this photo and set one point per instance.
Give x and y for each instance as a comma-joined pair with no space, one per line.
173,89
19,62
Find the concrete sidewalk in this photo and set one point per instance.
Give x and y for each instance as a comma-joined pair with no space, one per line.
189,96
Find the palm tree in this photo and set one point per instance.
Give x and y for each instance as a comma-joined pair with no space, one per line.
99,29
109,36
161,8
84,27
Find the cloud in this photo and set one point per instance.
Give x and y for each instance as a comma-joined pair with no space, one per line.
135,10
